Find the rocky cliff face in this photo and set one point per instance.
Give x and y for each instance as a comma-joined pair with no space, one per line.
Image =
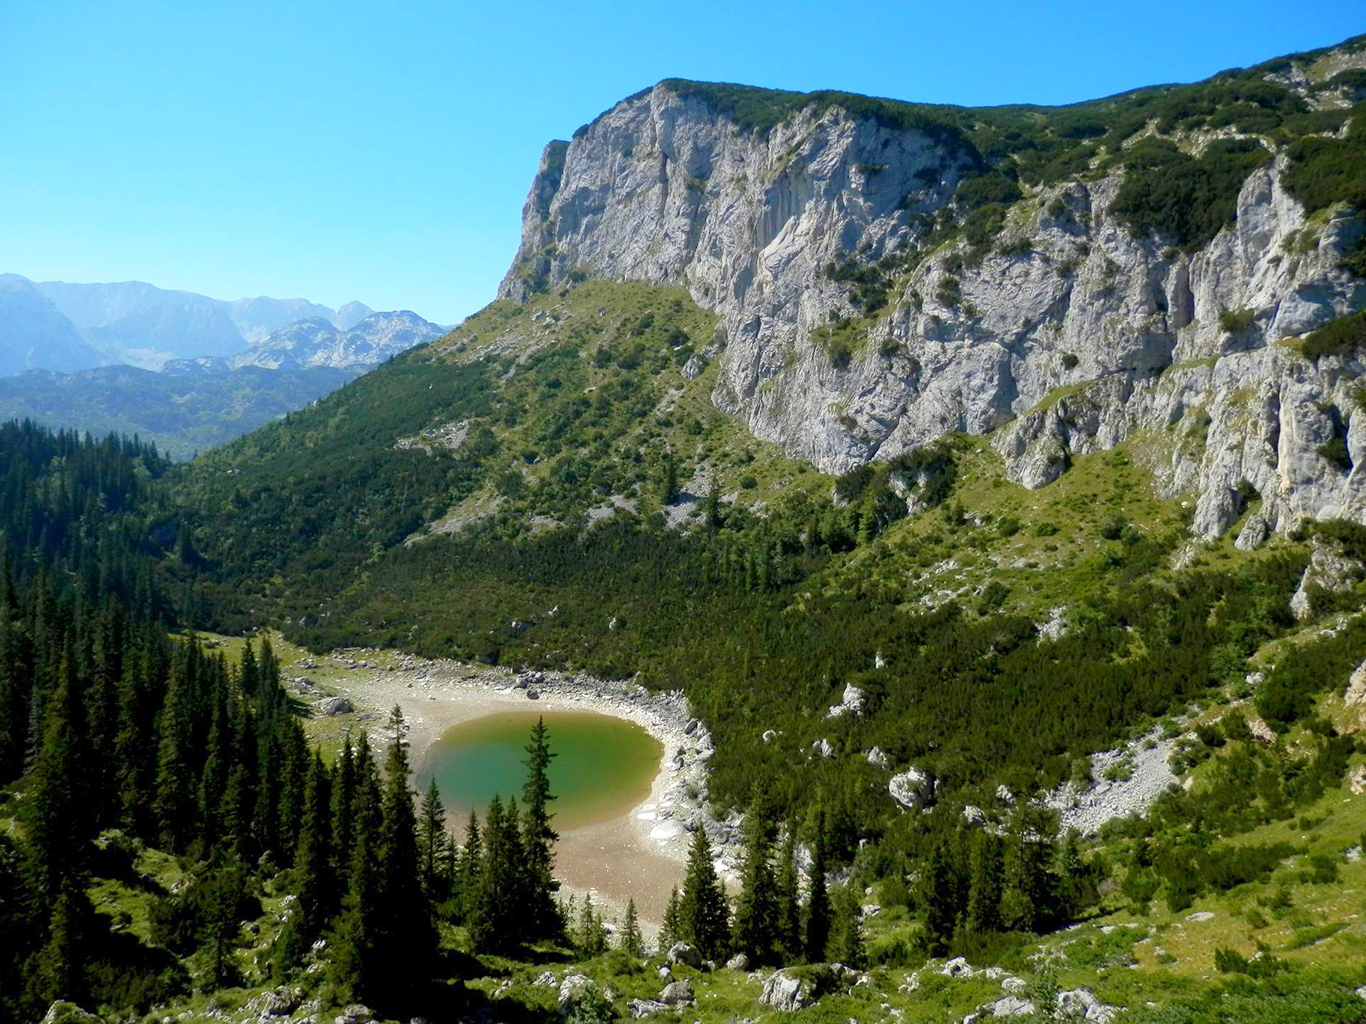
1068,334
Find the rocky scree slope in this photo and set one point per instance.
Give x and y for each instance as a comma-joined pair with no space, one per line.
1063,277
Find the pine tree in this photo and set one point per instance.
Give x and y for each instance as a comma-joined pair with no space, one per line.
406,932
543,919
57,811
848,926
789,934
312,861
470,869
938,894
343,810
431,839
1074,889
818,903
631,942
702,912
984,891
756,912
496,912
56,971
1026,889
670,931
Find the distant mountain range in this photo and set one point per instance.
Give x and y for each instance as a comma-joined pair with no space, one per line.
138,324
182,369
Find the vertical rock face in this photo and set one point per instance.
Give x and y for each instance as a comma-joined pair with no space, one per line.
1067,336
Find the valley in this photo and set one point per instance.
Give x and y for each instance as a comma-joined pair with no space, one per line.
937,533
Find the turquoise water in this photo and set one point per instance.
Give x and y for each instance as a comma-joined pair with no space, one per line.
603,767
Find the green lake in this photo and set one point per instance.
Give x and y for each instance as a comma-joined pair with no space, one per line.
603,766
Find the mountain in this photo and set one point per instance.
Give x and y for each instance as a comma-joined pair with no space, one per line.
1057,278
142,325
319,342
185,408
349,314
33,333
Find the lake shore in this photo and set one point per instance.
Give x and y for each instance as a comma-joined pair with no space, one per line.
640,854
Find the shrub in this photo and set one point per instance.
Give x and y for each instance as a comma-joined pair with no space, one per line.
1112,526
1235,321
1340,337
1069,361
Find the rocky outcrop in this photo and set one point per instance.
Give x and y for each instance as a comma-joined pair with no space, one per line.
912,788
1069,336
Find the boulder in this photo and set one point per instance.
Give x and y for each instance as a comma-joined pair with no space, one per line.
739,962
546,979
958,967
278,1002
642,1008
1356,781
572,989
911,788
878,758
1080,1003
1006,1006
822,746
1004,794
851,703
1356,687
683,953
677,993
1327,571
769,736
691,727
783,991
974,816
62,1012
336,706
355,1014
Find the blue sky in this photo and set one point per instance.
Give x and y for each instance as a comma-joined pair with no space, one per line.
382,151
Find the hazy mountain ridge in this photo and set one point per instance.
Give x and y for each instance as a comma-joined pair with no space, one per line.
142,325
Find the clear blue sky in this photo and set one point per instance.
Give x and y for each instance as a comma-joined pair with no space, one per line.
382,151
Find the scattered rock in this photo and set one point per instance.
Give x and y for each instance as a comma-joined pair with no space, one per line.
911,788
850,704
739,962
783,992
769,736
1080,1002
533,695
878,757
1200,915
572,989
642,1008
822,746
868,910
1004,794
546,979
1356,782
974,816
336,706
1261,732
691,727
1360,992
1356,687
677,993
1327,571
958,967
62,1012
355,1014
1006,1006
683,953
278,1002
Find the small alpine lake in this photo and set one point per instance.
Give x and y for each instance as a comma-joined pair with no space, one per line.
603,767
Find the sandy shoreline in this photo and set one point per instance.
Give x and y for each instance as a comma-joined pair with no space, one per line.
640,854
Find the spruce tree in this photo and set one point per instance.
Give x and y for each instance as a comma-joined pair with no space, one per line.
470,869
702,912
789,934
57,811
407,934
818,911
312,861
56,971
343,810
984,890
670,930
756,912
848,926
495,912
431,840
631,942
1026,888
938,893
543,918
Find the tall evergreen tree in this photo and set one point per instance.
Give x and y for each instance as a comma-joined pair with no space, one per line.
431,841
789,933
703,916
848,926
984,890
756,912
631,942
671,927
539,838
818,912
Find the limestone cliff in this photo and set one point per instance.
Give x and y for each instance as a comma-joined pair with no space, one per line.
1065,331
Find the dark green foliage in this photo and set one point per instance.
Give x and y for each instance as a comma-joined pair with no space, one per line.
1324,171
756,924
1342,337
631,942
543,919
703,918
1235,321
816,933
848,927
1179,197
